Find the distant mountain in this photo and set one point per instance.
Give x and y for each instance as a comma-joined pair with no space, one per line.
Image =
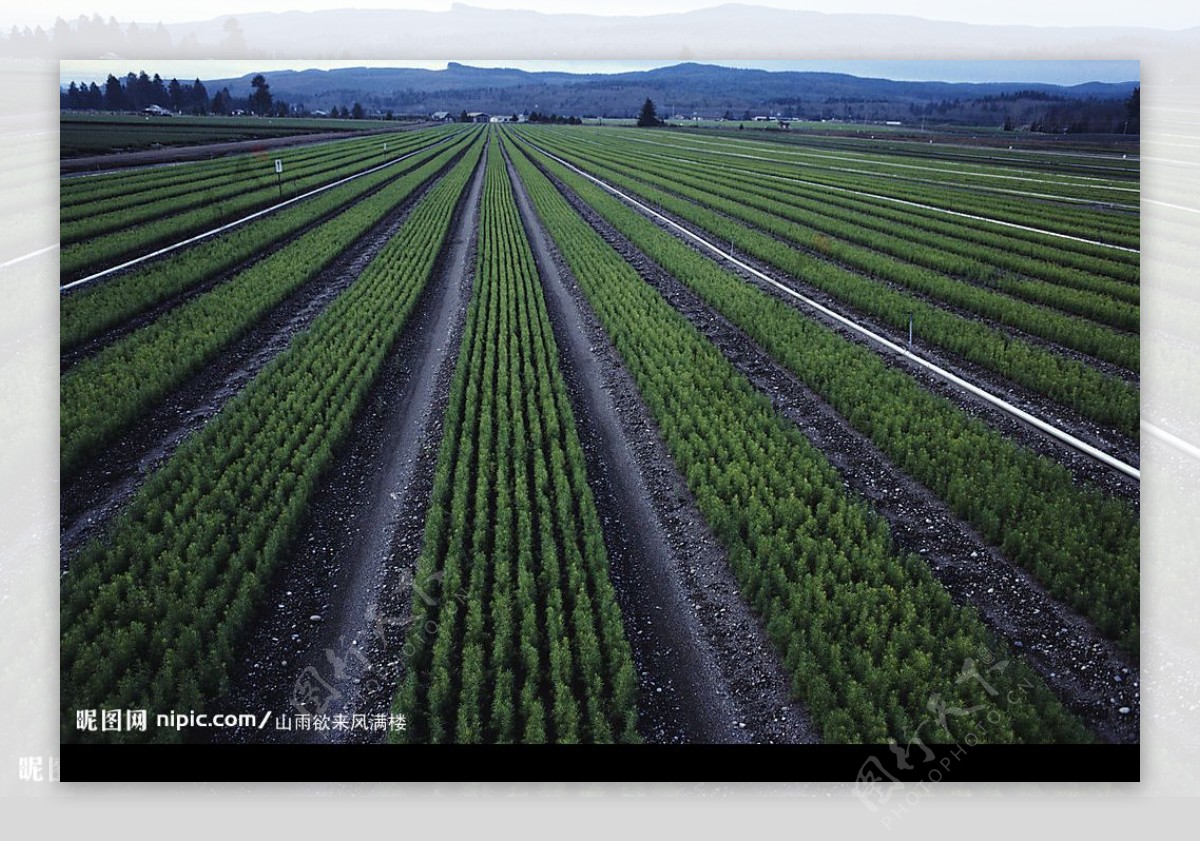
686,88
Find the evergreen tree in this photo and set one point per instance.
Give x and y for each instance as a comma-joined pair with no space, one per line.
260,100
234,42
144,88
648,117
199,98
158,92
114,96
175,94
63,36
130,86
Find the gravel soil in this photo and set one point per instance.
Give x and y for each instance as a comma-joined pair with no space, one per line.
707,670
1088,672
89,499
331,639
1082,467
94,346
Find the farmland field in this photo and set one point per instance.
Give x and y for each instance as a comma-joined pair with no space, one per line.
541,434
93,134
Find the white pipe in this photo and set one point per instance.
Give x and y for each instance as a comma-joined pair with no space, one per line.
244,219
950,377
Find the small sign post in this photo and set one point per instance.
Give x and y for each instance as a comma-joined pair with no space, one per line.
279,174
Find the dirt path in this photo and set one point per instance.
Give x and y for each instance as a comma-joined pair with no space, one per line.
1092,677
332,623
707,671
90,499
97,164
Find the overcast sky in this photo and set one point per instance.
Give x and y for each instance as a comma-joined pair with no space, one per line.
1162,14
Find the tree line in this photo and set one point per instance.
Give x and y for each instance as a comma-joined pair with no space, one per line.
557,119
138,91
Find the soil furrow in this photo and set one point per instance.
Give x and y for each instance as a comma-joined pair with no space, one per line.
1092,677
90,348
707,670
1082,467
1103,366
90,165
331,640
92,497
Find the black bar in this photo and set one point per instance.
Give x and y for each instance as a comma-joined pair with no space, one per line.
686,763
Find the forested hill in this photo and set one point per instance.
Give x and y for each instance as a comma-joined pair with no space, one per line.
703,89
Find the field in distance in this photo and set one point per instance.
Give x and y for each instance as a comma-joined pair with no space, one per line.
99,134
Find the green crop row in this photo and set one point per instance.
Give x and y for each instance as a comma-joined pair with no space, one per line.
127,241
928,200
153,612
225,196
525,642
870,639
893,255
979,248
92,196
1115,228
90,311
98,136
86,194
1102,398
105,394
1080,543
1024,159
1085,176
